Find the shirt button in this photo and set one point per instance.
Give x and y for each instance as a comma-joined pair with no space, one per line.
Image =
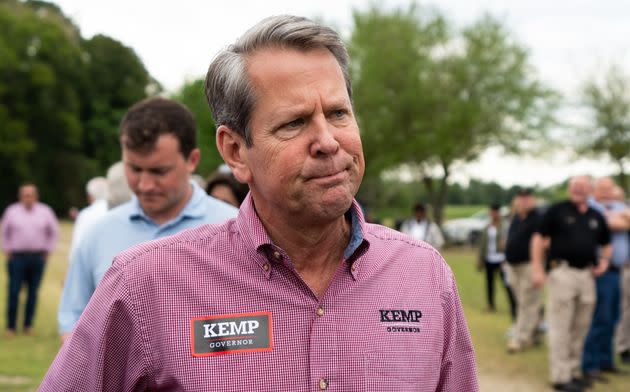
266,267
323,384
276,255
353,268
320,313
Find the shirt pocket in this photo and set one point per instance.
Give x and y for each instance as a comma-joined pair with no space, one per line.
402,361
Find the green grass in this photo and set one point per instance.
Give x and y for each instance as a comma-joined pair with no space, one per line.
463,211
25,359
499,371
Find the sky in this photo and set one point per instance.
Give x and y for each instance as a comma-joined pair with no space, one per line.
569,41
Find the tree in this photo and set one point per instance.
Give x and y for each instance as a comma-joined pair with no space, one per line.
428,99
192,95
608,132
116,80
61,99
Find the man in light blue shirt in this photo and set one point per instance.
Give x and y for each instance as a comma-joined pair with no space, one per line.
158,140
598,348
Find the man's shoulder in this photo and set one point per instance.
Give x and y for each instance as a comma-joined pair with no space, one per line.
196,239
45,207
400,253
110,224
11,208
217,210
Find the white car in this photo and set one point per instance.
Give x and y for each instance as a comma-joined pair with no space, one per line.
468,230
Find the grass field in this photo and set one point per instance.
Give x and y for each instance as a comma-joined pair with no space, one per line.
25,359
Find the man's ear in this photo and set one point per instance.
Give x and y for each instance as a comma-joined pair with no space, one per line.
233,149
193,160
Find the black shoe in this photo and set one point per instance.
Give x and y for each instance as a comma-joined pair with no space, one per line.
596,376
568,387
625,356
584,382
615,370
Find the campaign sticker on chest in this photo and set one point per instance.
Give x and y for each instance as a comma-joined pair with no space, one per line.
231,334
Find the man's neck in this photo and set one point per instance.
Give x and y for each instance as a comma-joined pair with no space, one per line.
315,249
581,207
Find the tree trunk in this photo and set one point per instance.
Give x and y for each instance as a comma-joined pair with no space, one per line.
437,197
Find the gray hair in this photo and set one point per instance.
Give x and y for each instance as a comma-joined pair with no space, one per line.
230,94
97,188
118,189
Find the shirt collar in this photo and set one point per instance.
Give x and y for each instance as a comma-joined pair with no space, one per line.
195,208
257,239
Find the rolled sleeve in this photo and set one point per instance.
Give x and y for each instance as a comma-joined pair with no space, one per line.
106,350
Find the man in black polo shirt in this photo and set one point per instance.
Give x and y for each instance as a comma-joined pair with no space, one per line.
522,227
578,239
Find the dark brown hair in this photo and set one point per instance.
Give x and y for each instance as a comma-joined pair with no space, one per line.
150,118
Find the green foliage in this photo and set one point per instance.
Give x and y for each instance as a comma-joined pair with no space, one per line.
192,95
61,99
608,133
429,97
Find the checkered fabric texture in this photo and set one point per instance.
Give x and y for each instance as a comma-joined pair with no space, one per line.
135,333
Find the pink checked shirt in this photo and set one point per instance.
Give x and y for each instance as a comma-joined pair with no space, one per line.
220,308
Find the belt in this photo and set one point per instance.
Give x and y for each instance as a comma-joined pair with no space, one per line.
558,262
28,253
612,267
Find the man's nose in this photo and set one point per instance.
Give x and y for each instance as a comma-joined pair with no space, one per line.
146,182
324,139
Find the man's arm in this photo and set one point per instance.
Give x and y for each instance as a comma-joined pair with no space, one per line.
106,351
618,220
78,287
605,254
5,233
52,231
538,245
458,371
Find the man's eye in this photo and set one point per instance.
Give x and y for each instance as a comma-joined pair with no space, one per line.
339,113
295,123
158,172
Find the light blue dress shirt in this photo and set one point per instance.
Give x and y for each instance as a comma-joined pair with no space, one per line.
121,228
620,239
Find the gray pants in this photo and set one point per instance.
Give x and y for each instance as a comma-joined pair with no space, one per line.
571,304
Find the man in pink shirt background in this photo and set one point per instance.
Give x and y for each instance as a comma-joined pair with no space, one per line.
29,232
298,292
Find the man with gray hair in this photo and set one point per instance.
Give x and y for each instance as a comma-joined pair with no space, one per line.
96,191
298,292
118,191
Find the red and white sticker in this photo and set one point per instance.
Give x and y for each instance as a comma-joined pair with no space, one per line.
231,334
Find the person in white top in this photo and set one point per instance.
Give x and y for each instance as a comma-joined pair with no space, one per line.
96,190
492,258
422,228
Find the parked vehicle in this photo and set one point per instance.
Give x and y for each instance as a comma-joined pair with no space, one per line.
467,231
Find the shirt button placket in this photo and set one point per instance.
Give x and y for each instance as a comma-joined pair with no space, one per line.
323,347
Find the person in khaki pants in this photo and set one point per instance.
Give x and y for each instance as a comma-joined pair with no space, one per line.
522,227
573,233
